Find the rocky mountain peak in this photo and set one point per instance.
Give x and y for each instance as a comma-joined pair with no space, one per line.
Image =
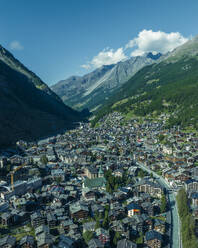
153,56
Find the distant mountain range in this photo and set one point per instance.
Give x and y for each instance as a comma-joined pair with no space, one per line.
29,109
169,87
148,85
90,91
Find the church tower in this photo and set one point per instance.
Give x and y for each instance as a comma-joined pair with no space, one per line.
100,172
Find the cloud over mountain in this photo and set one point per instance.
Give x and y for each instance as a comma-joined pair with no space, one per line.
146,41
106,57
150,41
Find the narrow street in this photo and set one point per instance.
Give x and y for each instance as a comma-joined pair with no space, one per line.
176,241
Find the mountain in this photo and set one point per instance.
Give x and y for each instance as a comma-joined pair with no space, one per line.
73,91
153,56
29,108
91,90
12,62
169,88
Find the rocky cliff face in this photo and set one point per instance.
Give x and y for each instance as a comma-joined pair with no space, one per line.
91,90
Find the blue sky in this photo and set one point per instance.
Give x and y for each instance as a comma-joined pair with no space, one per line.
57,38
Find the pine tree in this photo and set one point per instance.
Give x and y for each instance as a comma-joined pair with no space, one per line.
116,238
44,159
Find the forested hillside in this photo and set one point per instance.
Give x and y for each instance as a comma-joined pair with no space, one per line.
170,87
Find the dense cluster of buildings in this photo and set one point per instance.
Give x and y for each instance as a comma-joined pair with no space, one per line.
56,193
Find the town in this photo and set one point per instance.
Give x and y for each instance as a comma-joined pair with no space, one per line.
114,185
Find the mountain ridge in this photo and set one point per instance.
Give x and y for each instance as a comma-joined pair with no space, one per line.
15,64
169,87
92,89
28,111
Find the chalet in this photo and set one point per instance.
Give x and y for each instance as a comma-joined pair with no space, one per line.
27,242
96,208
7,194
51,220
169,174
117,226
195,213
8,242
3,162
181,177
150,187
22,217
148,208
44,240
149,223
41,229
133,209
118,173
194,197
124,243
79,211
58,174
37,219
138,222
66,225
89,226
167,150
7,219
17,160
66,242
95,243
4,206
133,170
191,184
51,158
103,236
153,239
88,194
159,226
195,171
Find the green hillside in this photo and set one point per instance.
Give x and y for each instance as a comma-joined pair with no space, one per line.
169,87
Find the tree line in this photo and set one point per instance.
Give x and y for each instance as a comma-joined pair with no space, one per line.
189,239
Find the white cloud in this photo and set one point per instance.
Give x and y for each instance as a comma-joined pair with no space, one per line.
146,41
16,45
86,66
106,57
150,41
